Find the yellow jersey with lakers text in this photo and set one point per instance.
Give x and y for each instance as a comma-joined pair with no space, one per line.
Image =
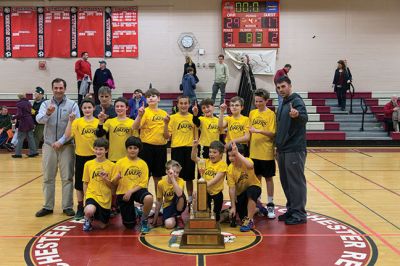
133,173
166,190
209,130
261,146
84,133
119,131
237,127
97,189
211,170
241,178
181,128
152,127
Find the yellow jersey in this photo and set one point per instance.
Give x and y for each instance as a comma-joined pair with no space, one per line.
152,127
84,133
209,130
165,190
261,146
181,128
133,173
211,170
237,127
242,178
97,189
119,131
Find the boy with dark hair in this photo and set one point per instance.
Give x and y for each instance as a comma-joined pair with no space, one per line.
136,102
105,105
244,187
214,174
97,186
208,125
263,129
180,128
132,176
170,194
150,121
189,85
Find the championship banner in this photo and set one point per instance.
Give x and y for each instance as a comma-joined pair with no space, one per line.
57,32
24,32
124,32
262,61
7,32
91,31
1,32
40,32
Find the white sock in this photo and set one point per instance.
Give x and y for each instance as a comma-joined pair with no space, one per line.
270,199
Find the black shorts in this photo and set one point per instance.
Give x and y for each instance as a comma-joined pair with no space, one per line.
127,208
171,210
206,152
101,214
79,166
264,168
183,156
252,192
155,156
245,152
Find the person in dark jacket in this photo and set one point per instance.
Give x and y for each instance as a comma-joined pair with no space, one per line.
291,145
189,63
101,77
189,85
5,126
341,83
38,99
136,102
25,128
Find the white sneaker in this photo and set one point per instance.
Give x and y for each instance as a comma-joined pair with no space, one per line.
271,210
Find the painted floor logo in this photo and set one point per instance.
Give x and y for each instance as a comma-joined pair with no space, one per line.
321,241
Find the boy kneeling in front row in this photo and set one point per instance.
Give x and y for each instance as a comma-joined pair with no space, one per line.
244,187
170,194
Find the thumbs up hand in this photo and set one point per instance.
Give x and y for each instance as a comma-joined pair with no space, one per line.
51,108
195,109
141,110
293,113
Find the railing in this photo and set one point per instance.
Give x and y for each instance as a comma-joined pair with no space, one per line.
364,108
352,92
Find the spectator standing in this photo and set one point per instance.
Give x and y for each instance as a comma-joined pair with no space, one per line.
341,83
102,77
279,74
83,70
221,78
189,85
189,63
38,99
392,112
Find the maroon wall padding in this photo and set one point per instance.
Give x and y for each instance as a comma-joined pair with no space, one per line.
336,135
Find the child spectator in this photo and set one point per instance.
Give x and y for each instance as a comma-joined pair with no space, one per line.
189,85
97,186
132,177
180,128
170,193
214,174
5,129
136,102
244,187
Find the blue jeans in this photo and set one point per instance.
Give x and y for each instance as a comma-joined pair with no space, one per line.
31,142
218,86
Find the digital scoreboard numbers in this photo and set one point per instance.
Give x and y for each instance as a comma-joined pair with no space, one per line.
250,24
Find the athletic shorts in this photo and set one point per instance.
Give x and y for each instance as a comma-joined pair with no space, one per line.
155,156
127,208
171,210
101,214
264,168
218,200
183,156
252,192
79,166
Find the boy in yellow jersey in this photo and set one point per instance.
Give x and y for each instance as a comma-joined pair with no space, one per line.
170,194
237,125
180,128
208,125
214,174
263,129
150,121
97,186
132,176
244,187
83,130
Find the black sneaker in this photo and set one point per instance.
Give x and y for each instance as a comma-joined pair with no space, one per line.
16,156
79,214
43,212
294,220
69,212
284,217
33,155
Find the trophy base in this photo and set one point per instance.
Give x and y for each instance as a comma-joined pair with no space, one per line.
202,233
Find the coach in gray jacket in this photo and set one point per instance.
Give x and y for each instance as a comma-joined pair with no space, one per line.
291,145
57,151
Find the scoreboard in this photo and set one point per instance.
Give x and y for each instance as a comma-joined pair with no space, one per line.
250,24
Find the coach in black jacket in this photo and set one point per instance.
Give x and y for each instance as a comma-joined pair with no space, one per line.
291,152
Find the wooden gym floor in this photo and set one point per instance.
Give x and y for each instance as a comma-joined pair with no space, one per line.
357,186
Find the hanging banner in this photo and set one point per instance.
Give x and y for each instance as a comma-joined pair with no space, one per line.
124,32
7,32
1,32
57,32
91,31
40,31
262,61
24,32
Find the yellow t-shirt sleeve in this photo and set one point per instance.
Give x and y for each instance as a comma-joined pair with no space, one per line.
145,175
247,125
86,174
171,124
230,177
106,125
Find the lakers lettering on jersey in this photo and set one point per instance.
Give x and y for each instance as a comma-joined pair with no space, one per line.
133,173
181,128
152,127
84,133
261,146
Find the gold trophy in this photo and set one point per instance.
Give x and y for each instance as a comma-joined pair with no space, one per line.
202,231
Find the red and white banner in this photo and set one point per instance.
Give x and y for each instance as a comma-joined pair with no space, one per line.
1,33
24,32
124,32
57,32
91,31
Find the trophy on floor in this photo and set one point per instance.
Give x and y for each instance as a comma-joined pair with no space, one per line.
202,231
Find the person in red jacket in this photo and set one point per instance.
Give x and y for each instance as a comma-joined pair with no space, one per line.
279,74
392,112
83,70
